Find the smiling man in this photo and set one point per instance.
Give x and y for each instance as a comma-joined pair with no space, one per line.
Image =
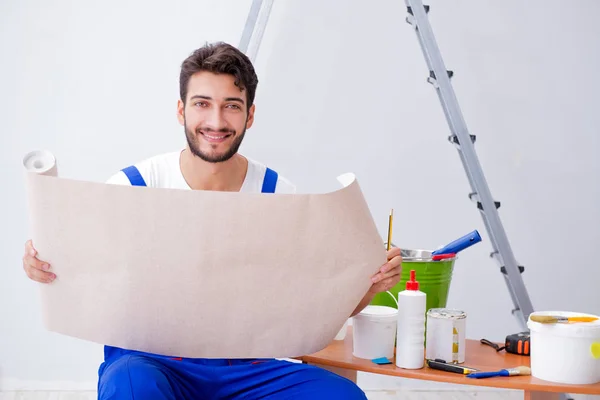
216,107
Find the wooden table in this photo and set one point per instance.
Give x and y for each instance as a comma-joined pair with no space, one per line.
337,357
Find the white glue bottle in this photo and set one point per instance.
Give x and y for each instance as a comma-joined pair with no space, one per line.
410,335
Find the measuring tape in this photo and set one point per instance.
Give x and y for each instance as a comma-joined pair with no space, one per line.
517,343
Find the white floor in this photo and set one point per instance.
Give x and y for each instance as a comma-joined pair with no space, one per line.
445,395
35,395
372,395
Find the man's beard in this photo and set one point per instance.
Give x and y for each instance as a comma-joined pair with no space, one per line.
194,145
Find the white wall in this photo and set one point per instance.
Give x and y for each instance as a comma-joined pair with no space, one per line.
97,84
341,89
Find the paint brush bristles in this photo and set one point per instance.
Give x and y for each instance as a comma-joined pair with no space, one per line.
554,319
389,238
519,371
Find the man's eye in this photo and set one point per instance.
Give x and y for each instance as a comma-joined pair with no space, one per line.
200,104
234,106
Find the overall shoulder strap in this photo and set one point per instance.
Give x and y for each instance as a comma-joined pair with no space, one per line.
270,181
134,176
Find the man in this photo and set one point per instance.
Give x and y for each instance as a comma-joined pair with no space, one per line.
216,107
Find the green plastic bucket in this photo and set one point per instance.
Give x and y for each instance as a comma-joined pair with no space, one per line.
434,279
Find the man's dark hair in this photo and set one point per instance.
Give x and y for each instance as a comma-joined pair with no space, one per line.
220,58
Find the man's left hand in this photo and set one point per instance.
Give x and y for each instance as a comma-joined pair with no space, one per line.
385,279
389,273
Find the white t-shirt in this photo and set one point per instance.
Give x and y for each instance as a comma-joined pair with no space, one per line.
163,171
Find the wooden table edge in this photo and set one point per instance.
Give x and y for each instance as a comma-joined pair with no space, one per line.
350,373
509,383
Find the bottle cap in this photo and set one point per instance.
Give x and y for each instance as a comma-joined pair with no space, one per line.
412,284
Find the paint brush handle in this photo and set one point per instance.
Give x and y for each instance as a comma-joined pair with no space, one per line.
559,319
460,244
491,374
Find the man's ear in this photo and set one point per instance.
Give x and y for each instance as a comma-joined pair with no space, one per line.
181,112
250,119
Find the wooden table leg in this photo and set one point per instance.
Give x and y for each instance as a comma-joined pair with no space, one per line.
529,395
346,373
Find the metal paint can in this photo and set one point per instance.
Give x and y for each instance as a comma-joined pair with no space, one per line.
445,335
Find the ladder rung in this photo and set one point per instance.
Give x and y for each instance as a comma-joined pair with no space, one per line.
410,19
432,80
473,197
454,139
409,9
432,73
503,269
480,206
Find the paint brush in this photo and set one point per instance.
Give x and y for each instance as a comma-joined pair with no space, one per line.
390,220
517,371
557,319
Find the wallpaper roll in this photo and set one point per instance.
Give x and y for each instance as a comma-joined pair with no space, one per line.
40,162
193,273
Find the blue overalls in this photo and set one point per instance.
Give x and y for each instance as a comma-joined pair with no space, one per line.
127,374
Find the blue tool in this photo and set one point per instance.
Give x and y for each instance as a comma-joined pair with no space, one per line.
517,371
460,244
381,361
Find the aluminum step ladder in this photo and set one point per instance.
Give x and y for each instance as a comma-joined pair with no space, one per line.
439,77
460,137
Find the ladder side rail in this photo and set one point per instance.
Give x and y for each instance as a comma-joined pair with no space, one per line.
256,23
447,112
498,258
451,124
250,25
448,99
496,254
517,312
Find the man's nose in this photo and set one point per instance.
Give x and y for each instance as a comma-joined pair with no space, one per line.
215,119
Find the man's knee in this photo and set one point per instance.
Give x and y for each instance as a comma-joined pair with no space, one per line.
133,377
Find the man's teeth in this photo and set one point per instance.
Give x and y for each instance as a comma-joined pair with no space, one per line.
214,137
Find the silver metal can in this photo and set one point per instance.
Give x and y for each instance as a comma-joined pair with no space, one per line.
445,335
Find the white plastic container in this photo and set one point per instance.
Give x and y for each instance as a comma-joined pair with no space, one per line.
564,352
374,330
410,331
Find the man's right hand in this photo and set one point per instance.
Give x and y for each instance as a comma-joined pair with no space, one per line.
36,270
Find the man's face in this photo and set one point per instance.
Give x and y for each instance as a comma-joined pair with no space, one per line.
215,116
